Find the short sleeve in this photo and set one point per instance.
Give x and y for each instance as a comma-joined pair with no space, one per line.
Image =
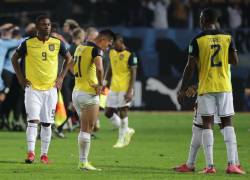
232,47
63,50
22,49
193,49
133,60
97,52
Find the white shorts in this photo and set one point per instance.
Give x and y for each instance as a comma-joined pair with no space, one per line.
82,100
198,120
40,105
117,100
211,103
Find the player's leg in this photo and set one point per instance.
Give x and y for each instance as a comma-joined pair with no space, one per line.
206,107
195,145
226,111
125,132
111,109
112,115
47,118
33,104
87,107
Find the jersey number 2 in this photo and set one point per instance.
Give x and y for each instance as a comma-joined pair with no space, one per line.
217,48
77,62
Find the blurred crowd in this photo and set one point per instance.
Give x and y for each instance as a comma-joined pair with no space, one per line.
12,112
131,13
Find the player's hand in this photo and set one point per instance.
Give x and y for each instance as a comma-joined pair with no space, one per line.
128,96
58,83
98,88
191,91
180,96
25,83
2,97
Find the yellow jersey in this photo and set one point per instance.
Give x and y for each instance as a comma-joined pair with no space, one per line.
212,49
121,62
84,67
41,61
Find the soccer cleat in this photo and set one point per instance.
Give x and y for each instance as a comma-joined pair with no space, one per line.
208,170
128,136
239,167
183,168
30,157
87,166
120,143
44,159
232,169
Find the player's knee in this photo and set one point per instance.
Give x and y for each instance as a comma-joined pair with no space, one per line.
226,121
45,124
109,112
33,121
123,112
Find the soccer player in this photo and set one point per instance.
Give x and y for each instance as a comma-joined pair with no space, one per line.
123,74
213,51
196,140
88,70
40,82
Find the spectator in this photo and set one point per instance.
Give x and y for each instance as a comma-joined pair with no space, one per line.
68,27
234,13
178,14
160,14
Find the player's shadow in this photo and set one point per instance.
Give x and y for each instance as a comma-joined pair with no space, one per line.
11,162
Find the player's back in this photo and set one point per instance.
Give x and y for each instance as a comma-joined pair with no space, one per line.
213,65
84,68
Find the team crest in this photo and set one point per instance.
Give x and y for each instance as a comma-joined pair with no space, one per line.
121,56
51,47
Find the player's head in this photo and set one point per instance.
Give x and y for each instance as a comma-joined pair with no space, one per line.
78,34
105,39
43,25
91,34
119,42
208,17
69,25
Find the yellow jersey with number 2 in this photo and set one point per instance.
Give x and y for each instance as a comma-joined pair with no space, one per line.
212,50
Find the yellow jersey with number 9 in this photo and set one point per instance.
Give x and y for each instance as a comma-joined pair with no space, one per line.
84,67
212,50
41,61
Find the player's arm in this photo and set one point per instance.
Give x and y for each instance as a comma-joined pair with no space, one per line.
99,73
189,69
133,69
233,56
97,55
20,52
108,76
66,65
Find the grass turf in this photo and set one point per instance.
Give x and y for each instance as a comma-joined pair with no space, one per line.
161,142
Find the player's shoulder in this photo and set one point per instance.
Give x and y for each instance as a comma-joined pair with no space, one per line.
28,39
130,51
55,40
211,32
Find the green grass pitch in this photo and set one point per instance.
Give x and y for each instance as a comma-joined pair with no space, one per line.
161,141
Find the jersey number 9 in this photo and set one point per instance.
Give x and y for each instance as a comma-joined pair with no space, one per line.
44,56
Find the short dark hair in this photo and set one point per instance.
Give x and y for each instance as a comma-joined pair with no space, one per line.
119,36
107,33
210,15
41,17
